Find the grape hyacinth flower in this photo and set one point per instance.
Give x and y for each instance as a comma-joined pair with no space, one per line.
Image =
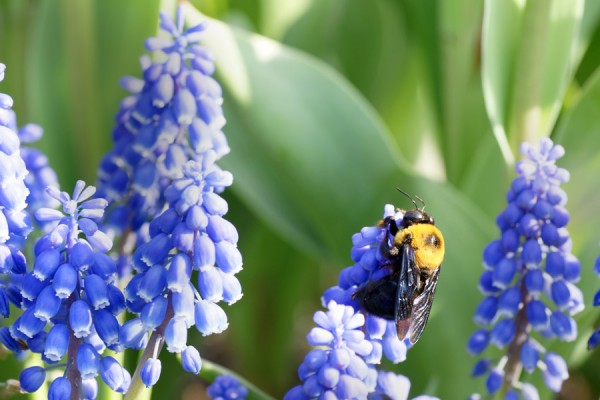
340,367
594,339
380,334
71,291
41,175
191,235
368,260
226,387
336,369
376,336
529,279
172,115
15,223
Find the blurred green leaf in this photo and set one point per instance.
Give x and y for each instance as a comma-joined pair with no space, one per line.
73,71
528,54
295,128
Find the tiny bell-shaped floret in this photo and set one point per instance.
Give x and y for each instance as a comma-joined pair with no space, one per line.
151,372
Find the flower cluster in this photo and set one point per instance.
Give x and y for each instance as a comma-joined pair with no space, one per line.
364,339
594,339
71,291
191,235
172,115
368,260
339,367
226,387
15,223
529,278
336,369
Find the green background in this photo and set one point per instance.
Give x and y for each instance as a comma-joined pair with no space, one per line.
331,105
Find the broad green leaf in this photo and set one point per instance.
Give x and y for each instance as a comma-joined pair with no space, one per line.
528,53
589,46
312,160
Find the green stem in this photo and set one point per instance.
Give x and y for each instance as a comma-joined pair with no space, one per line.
211,370
525,113
137,389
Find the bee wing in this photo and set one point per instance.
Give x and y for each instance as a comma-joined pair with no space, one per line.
422,307
407,281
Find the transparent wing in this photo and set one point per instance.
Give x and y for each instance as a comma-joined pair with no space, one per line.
422,307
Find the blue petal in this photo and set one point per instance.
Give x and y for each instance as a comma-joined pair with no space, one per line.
88,361
47,304
537,315
486,310
494,381
210,318
176,335
179,273
32,378
151,371
190,360
478,341
534,282
107,327
154,313
503,333
57,342
530,355
46,264
115,376
96,291
210,284
153,283
80,319
60,389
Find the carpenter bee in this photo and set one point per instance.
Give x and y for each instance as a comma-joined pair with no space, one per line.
414,256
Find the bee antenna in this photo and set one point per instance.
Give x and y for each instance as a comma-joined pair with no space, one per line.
422,202
411,199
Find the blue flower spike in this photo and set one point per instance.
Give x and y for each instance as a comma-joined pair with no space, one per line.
71,310
15,222
594,339
529,279
171,116
226,387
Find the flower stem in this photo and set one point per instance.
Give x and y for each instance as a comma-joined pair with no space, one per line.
513,367
137,389
211,370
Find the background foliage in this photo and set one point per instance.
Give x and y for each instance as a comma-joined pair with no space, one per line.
331,104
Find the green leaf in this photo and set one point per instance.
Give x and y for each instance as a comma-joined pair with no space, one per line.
578,132
528,54
74,69
311,159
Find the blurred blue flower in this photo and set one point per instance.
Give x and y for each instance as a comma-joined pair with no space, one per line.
368,260
532,258
15,223
594,339
71,290
172,115
226,387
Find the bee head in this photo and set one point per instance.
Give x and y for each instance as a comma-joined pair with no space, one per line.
416,216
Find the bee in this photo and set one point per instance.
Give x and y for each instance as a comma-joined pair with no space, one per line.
414,256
